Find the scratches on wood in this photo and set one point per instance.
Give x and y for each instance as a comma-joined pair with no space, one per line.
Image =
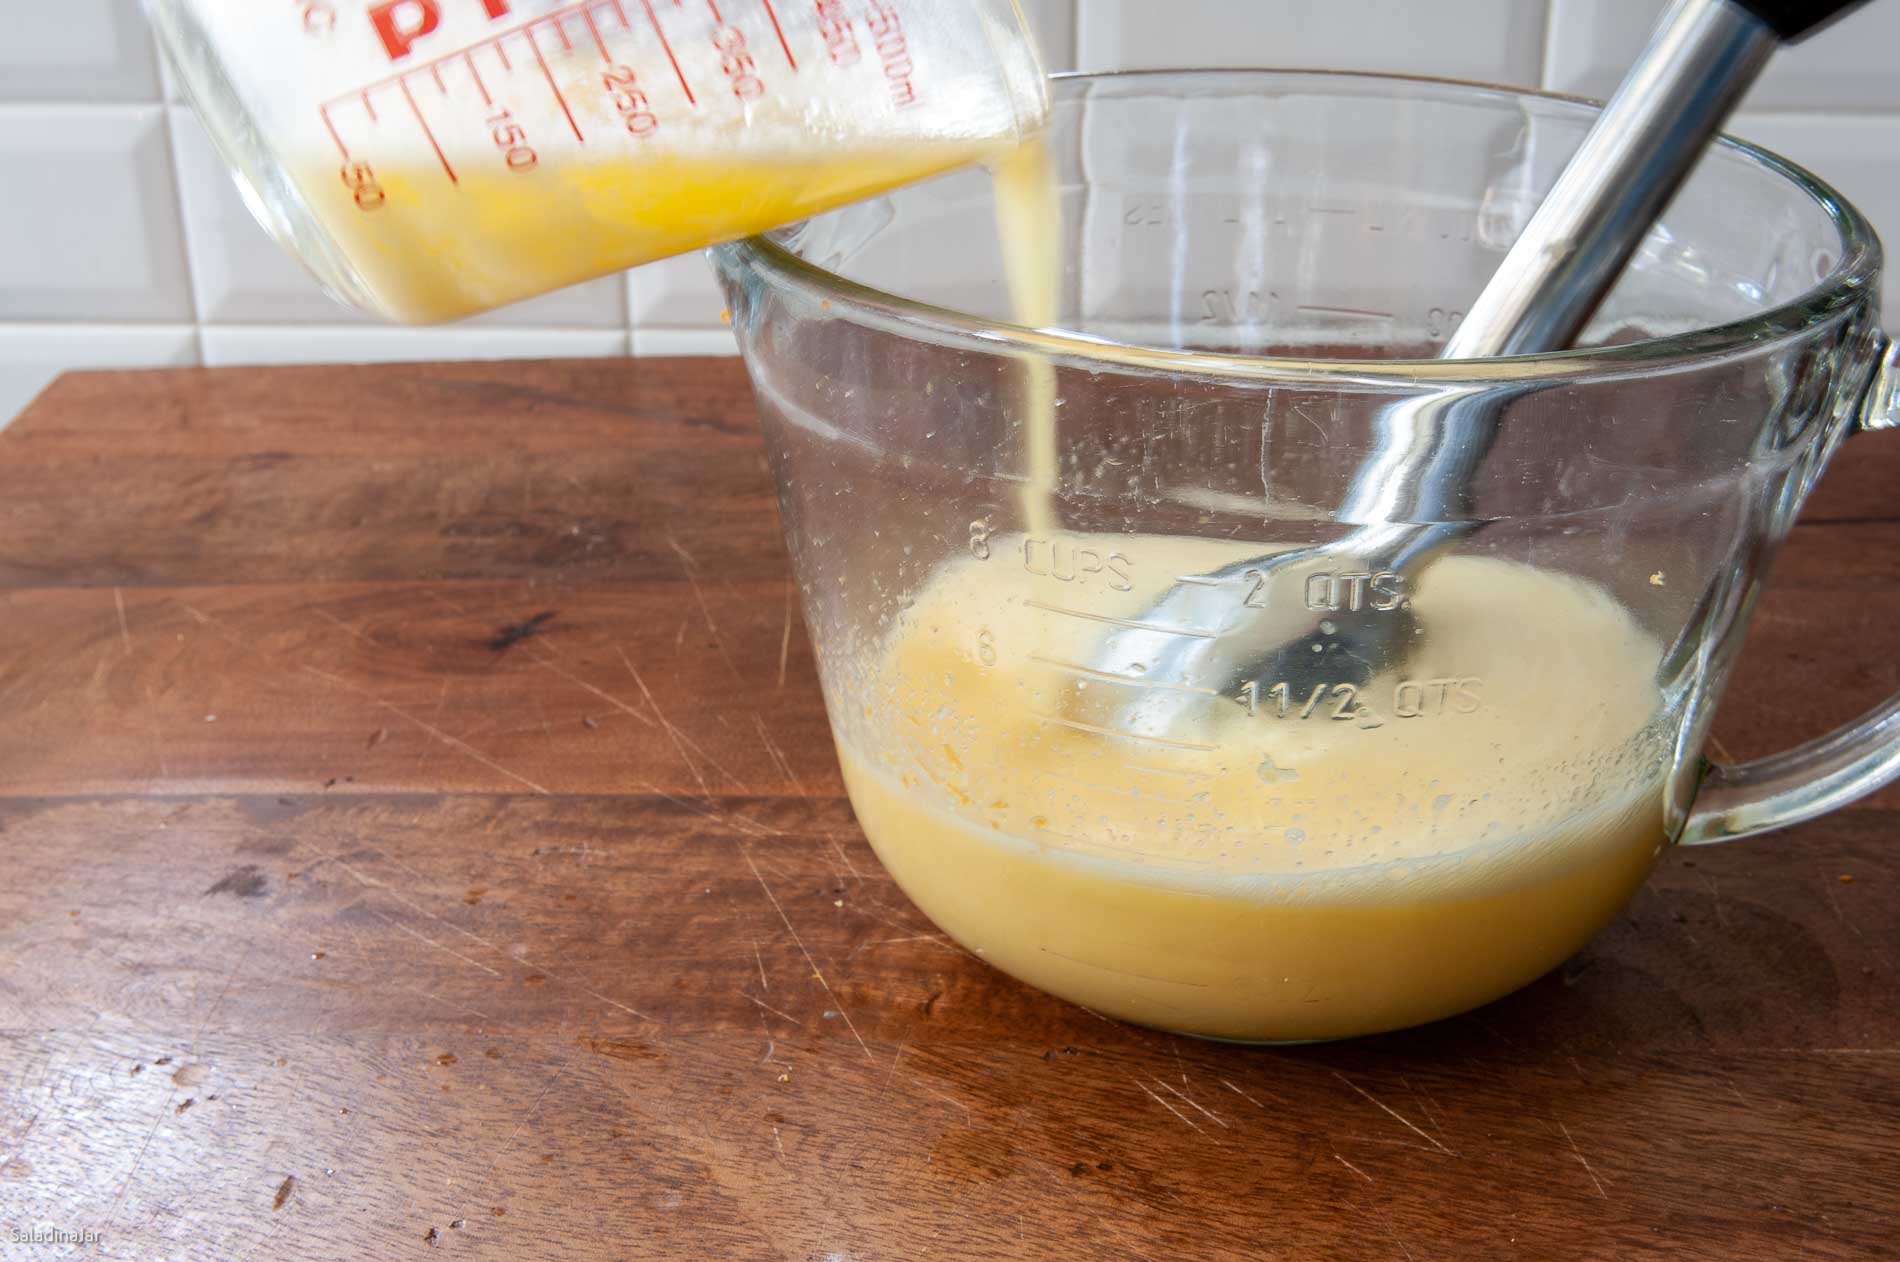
817,973
1393,1113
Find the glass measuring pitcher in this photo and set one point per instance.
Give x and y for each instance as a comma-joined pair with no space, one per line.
991,526
428,159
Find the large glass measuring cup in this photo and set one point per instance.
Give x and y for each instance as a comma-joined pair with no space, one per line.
432,158
1255,268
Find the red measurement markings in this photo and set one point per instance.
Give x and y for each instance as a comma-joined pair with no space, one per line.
560,28
594,31
780,32
714,6
329,125
493,41
424,123
553,86
477,76
648,6
466,55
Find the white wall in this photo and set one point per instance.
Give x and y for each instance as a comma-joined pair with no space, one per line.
125,244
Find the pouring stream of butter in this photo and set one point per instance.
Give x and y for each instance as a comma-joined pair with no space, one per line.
1029,229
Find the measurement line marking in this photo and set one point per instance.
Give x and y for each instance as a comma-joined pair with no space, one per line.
714,6
369,105
560,28
1131,623
493,40
330,126
417,110
440,86
1098,730
1199,580
622,15
684,87
593,30
477,75
553,86
1134,680
1314,309
780,32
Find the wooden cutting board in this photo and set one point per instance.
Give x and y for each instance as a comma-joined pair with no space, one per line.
419,830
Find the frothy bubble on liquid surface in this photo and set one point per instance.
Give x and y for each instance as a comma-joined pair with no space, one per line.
1005,803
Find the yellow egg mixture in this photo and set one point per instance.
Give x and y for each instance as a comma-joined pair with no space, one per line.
1381,857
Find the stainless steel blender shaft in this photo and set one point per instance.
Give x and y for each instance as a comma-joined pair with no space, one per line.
1701,59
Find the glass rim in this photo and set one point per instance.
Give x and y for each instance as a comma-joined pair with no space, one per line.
1851,278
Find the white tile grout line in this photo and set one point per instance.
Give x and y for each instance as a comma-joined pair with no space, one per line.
184,232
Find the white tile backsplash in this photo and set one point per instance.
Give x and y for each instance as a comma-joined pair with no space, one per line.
76,50
678,292
1054,24
89,214
1858,154
1499,41
127,243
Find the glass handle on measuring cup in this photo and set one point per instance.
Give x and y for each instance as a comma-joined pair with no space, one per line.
1823,774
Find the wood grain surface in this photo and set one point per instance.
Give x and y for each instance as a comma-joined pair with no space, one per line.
419,831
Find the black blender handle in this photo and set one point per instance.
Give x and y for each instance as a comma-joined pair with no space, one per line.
1795,20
